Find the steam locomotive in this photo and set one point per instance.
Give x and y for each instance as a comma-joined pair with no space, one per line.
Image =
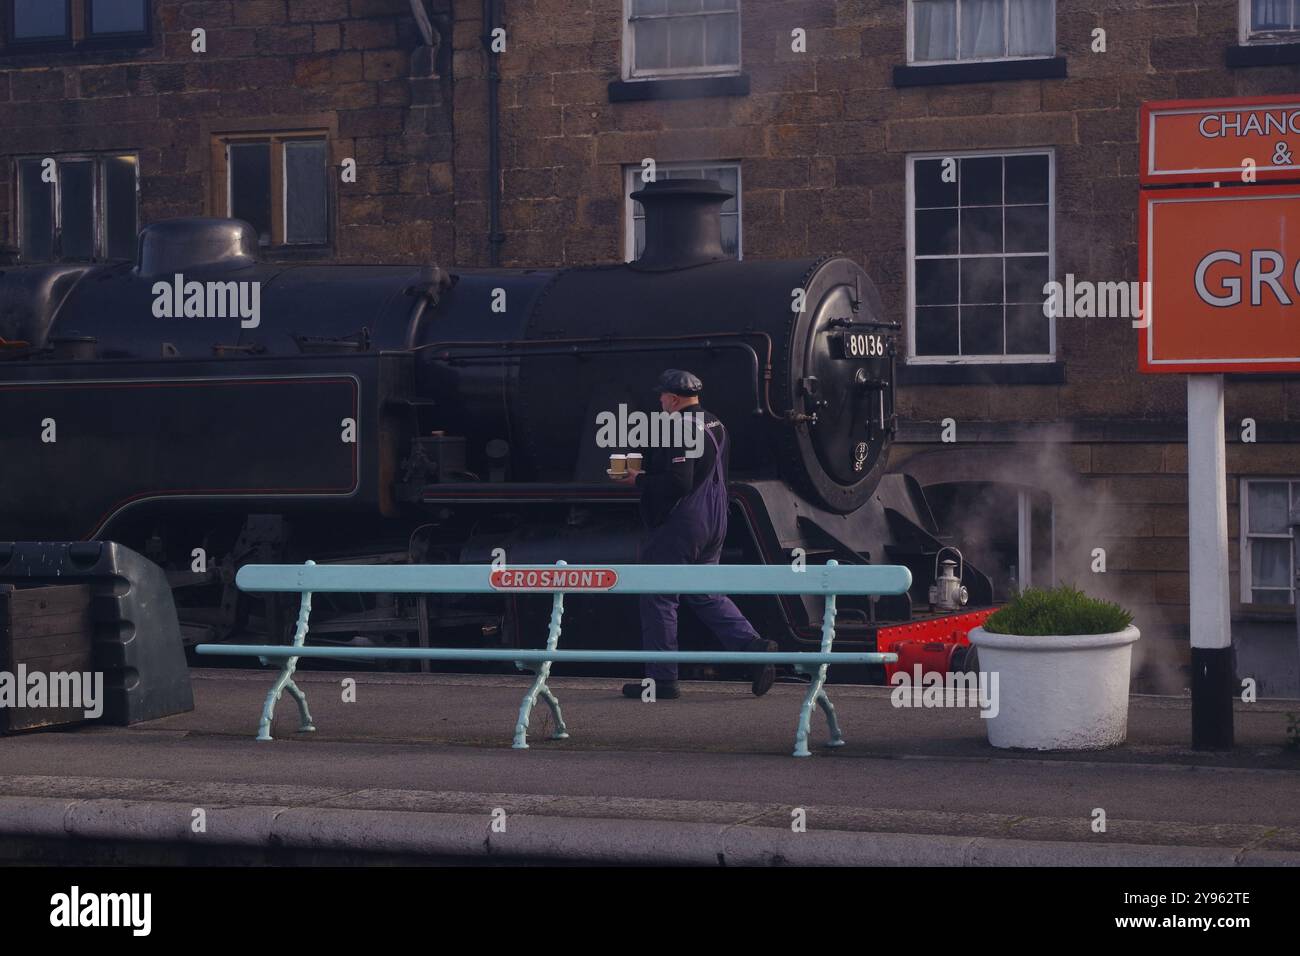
210,410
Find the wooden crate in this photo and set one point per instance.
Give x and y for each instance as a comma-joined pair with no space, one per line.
49,630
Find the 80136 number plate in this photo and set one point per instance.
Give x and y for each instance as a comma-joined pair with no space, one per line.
859,345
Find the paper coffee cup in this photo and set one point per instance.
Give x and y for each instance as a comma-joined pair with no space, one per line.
634,462
618,464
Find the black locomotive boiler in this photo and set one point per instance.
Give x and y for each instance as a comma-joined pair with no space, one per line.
210,410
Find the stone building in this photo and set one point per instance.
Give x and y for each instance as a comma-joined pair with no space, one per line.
159,108
965,152
832,119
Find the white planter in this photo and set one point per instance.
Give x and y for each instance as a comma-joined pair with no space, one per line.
1058,693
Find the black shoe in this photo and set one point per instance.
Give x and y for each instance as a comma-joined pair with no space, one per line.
664,690
763,675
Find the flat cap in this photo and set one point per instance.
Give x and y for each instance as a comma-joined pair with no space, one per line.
679,382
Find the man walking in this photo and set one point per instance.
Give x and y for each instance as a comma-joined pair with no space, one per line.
684,505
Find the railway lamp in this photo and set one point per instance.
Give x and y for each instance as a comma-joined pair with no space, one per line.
947,591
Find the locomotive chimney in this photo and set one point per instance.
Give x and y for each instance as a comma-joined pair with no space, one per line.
683,223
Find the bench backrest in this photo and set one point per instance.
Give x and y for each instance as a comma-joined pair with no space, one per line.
829,578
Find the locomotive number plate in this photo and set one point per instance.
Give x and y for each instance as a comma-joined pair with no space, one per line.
856,345
553,579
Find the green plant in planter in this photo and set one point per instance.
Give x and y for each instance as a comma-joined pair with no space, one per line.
1062,611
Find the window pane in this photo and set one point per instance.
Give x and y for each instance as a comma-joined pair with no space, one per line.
686,42
652,44
1030,28
936,331
1267,505
721,41
250,186
1270,15
981,281
40,19
120,215
641,7
1026,276
931,190
306,217
729,179
1027,228
77,209
731,235
981,181
934,30
981,230
981,330
1027,178
983,28
683,6
936,232
117,16
936,281
1270,563
36,228
1029,332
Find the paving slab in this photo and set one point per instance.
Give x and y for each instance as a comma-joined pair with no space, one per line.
419,764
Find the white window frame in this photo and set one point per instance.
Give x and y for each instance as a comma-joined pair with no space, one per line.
1013,359
632,182
98,193
1247,37
630,72
1247,587
1006,30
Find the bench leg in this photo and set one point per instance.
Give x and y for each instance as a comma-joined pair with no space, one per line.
285,680
815,694
816,690
837,738
539,688
539,684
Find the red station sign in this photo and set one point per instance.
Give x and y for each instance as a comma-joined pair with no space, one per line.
1203,141
1220,266
553,579
1224,268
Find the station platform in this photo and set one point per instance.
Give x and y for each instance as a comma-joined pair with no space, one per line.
419,769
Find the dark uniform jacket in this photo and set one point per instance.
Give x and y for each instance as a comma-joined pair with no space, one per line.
670,474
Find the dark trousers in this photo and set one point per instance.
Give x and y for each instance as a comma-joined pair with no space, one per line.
684,542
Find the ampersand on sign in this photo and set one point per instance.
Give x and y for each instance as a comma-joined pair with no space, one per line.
1281,155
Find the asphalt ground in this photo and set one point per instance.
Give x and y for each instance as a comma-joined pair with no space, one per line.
421,766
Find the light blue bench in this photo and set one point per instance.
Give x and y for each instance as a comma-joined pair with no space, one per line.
831,579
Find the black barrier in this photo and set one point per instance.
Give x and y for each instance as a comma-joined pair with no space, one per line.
137,637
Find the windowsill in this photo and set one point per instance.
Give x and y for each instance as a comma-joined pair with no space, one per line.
136,42
695,87
1266,612
988,373
1264,54
981,71
294,253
